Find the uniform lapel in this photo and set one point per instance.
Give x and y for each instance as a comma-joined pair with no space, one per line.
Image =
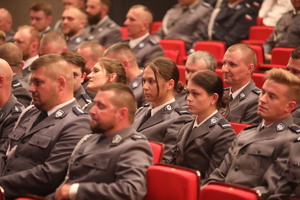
242,95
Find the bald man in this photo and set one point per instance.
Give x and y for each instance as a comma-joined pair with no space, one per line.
6,24
73,22
138,20
52,42
12,54
10,108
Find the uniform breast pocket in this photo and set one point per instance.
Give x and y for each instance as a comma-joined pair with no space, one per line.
96,163
40,141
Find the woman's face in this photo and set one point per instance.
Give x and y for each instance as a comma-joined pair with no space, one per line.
150,84
198,100
97,78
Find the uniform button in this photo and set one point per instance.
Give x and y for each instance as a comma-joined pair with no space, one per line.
23,141
76,163
236,168
80,153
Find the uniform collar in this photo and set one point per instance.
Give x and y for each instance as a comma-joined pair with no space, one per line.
134,42
234,94
53,110
197,125
155,110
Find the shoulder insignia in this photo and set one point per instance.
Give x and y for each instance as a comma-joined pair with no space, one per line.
224,123
78,111
256,91
138,137
100,29
182,111
16,109
60,114
78,40
250,127
295,129
16,84
242,95
2,115
225,89
213,121
205,4
280,127
168,107
135,84
141,45
153,42
297,140
248,17
116,139
86,98
146,105
91,37
112,25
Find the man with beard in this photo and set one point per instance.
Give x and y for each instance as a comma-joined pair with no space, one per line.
73,22
101,27
117,169
34,157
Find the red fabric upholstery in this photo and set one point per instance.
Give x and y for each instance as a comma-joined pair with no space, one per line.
157,150
182,74
238,127
178,45
155,26
258,34
124,33
172,54
216,48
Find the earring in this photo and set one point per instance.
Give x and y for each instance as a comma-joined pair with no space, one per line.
211,103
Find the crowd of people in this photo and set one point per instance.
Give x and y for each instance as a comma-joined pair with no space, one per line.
78,104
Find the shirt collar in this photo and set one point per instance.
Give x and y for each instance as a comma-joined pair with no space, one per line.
155,110
134,42
234,94
197,125
29,61
53,110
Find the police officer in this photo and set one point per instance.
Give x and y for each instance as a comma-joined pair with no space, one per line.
73,22
100,26
186,21
117,169
238,65
10,108
34,158
138,20
259,154
77,64
125,55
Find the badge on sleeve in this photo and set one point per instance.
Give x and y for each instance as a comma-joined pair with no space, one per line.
78,40
116,139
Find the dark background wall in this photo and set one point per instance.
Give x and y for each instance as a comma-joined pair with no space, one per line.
119,8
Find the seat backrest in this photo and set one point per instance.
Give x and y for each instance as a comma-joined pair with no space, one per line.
157,150
238,127
260,32
182,74
178,45
124,33
258,49
172,54
281,55
216,48
216,190
259,79
172,182
155,26
219,72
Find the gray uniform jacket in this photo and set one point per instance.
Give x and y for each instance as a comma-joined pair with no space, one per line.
9,114
83,99
137,88
289,183
204,147
286,33
116,170
232,24
74,42
20,90
146,50
163,126
243,108
187,24
106,32
296,114
257,157
39,163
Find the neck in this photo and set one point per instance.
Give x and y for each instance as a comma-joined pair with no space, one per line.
202,116
118,127
4,98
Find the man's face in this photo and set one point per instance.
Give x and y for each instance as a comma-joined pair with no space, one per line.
44,89
93,11
191,67
5,24
136,27
78,76
235,71
273,101
103,113
71,22
23,40
293,66
39,20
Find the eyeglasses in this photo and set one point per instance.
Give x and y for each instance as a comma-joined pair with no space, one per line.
293,71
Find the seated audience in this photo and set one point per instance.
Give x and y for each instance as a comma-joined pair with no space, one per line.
6,24
52,42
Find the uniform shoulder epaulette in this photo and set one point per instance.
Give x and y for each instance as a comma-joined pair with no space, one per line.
86,98
16,84
182,111
225,89
111,25
153,42
138,137
256,91
205,4
16,109
297,140
295,128
146,105
78,111
250,127
224,123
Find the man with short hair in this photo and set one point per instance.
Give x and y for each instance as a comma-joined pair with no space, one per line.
10,108
52,42
100,26
73,23
12,54
40,14
238,65
77,64
34,158
258,156
123,53
27,38
138,21
117,169
6,24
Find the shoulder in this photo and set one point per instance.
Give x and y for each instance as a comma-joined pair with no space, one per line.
256,91
76,110
222,122
295,128
250,127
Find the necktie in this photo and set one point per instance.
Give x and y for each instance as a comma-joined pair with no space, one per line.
40,118
146,117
